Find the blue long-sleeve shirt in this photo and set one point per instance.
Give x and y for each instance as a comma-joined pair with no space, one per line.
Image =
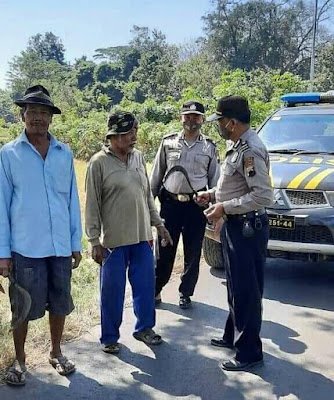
39,203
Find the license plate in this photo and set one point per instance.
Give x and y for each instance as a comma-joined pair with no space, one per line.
282,221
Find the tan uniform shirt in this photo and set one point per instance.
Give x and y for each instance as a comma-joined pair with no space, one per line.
119,203
244,183
198,158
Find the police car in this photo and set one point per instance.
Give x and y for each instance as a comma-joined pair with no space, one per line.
300,142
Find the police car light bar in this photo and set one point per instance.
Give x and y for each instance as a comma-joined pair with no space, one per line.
292,99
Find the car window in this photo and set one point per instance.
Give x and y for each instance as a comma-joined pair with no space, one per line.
302,132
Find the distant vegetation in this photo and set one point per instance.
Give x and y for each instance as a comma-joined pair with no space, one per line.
257,48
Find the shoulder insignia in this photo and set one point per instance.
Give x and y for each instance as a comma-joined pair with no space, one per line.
244,146
249,166
208,139
237,144
170,135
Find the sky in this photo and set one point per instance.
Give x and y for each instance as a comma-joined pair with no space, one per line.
86,25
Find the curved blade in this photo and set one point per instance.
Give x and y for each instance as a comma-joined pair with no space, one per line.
2,289
20,303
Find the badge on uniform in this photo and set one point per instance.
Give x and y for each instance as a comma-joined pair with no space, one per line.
249,165
174,155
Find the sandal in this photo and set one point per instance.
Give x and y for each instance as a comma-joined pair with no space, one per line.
62,365
112,348
16,374
148,336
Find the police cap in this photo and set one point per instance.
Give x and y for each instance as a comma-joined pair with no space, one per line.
232,107
192,107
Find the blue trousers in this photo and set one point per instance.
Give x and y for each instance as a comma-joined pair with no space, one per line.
138,259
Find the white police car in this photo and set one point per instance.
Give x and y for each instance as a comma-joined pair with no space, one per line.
300,142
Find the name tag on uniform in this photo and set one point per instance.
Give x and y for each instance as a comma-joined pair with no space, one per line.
174,155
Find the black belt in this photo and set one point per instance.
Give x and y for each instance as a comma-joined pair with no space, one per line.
251,214
183,198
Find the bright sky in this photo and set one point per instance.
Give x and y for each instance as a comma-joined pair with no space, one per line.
86,25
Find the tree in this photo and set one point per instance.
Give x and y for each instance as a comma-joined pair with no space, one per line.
324,77
42,60
47,47
126,58
263,34
156,64
6,106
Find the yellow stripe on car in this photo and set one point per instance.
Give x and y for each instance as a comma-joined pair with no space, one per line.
297,180
314,182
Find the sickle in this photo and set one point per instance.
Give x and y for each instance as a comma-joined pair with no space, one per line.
20,303
179,168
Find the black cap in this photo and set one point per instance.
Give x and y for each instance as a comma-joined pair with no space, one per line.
120,123
231,107
192,107
37,95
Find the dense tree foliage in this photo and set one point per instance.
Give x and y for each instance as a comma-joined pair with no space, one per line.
257,48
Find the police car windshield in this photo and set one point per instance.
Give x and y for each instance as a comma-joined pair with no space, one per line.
299,133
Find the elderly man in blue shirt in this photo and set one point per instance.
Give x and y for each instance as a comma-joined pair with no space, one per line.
40,230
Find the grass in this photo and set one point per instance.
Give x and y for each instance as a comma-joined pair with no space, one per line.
85,295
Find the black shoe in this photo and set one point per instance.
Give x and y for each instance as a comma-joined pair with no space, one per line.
219,342
235,365
185,302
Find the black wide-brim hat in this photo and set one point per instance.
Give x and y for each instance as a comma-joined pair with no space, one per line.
37,95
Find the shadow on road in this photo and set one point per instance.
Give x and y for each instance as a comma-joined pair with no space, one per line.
297,283
300,283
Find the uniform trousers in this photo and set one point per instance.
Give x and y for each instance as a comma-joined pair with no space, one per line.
186,218
244,261
138,260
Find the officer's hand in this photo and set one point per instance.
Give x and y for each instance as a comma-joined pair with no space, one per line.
76,255
165,236
97,254
215,212
218,226
5,266
202,198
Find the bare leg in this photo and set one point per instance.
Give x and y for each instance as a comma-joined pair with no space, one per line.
56,330
19,336
62,365
16,372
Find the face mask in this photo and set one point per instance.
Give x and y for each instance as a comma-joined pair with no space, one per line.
223,132
191,126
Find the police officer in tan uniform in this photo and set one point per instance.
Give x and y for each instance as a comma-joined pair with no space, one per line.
243,191
196,153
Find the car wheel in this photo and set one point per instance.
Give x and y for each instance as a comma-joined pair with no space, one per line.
212,253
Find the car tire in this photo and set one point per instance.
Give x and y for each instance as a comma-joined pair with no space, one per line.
212,253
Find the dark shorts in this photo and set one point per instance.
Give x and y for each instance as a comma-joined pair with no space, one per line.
47,280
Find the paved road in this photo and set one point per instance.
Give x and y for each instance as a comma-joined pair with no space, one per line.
297,335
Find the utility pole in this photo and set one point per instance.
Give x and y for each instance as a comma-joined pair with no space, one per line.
313,46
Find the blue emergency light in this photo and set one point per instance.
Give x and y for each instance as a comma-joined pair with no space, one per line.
292,99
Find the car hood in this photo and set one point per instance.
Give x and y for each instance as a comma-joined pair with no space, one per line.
314,172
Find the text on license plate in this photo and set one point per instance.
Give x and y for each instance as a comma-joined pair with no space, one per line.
282,221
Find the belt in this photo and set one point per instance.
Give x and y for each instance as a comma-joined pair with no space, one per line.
251,214
183,198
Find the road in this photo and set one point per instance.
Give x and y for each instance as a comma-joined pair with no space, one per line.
298,325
